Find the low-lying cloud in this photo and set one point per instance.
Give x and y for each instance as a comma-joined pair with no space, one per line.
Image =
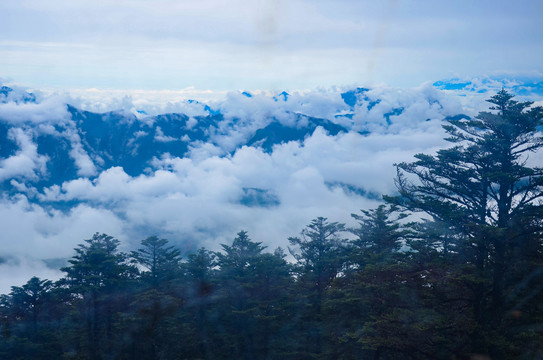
222,187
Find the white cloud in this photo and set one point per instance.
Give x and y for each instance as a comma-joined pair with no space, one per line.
26,162
20,270
159,136
197,200
31,234
51,110
83,162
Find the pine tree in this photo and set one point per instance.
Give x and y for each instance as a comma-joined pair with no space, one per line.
238,263
96,278
160,261
320,252
28,300
201,287
157,299
484,190
379,233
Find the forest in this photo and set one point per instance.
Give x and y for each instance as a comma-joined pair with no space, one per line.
448,267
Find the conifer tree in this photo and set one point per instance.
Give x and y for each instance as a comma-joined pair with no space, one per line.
28,300
237,274
160,261
379,232
96,278
486,190
201,287
320,252
158,298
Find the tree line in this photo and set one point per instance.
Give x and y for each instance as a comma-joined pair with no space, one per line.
449,267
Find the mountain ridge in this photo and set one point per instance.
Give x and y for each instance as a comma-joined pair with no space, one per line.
75,143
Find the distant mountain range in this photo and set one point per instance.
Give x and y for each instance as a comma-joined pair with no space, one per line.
88,142
83,143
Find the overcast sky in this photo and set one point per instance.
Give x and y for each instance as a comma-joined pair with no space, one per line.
263,44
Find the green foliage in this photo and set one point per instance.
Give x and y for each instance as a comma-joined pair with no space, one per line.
160,261
255,287
321,251
97,265
97,277
321,258
379,236
485,201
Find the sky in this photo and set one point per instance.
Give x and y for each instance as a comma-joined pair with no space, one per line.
224,45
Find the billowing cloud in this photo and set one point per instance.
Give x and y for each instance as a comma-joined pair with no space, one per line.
26,162
221,186
36,241
51,110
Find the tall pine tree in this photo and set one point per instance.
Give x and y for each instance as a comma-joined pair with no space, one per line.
487,189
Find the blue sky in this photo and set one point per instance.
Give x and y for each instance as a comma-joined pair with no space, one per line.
263,44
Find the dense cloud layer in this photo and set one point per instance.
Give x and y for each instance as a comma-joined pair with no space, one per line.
221,186
271,44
